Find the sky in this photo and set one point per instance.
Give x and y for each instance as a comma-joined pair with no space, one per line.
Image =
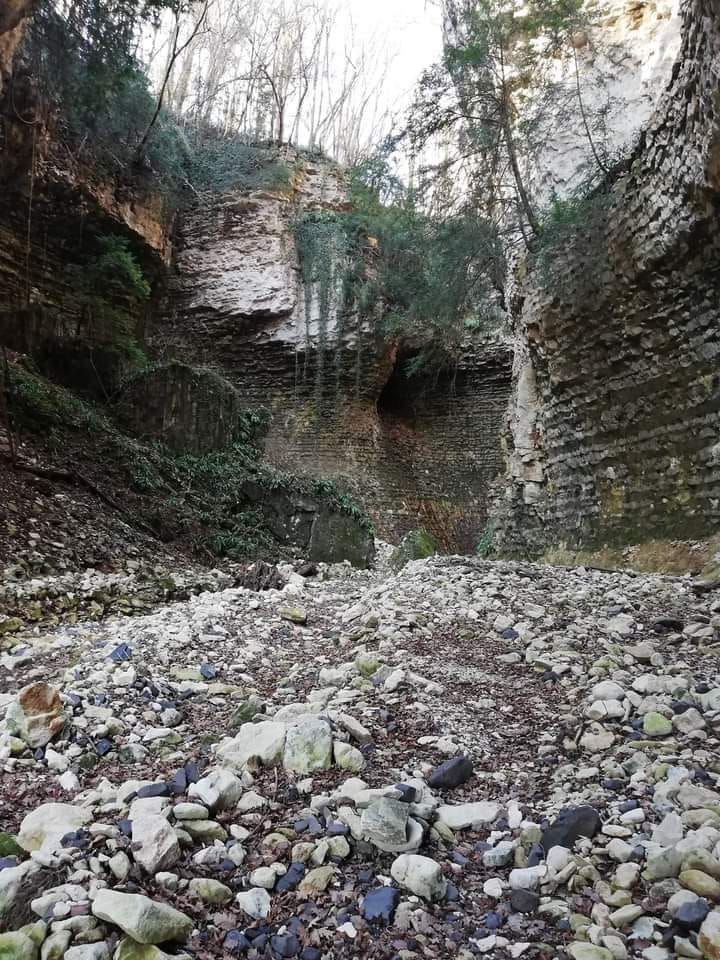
412,31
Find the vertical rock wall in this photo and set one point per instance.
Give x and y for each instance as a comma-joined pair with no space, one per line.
614,430
415,451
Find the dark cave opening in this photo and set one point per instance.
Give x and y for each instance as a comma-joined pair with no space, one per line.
399,397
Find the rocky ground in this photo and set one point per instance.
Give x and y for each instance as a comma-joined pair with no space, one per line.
463,759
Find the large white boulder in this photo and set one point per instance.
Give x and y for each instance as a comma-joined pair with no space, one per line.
308,746
141,918
420,875
155,843
43,828
462,815
219,789
262,742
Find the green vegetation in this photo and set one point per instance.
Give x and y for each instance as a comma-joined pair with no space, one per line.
215,502
576,223
406,272
94,92
485,547
228,163
416,545
111,290
96,97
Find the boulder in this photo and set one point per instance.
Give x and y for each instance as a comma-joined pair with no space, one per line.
385,821
37,714
420,875
155,843
709,936
219,789
348,757
462,815
255,903
141,918
571,824
43,828
19,886
308,746
210,891
88,951
341,536
453,773
129,949
262,743
17,946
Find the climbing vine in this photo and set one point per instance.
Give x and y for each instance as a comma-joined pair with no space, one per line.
392,268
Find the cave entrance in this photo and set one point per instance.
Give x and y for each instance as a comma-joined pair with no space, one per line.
404,396
398,398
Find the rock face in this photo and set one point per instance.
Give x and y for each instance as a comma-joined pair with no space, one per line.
420,450
612,435
189,410
13,18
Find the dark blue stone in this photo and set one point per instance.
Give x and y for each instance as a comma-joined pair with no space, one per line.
337,829
78,838
208,671
74,699
612,784
627,805
192,771
315,827
380,904
236,942
571,823
154,790
300,826
691,915
311,953
179,783
6,862
536,855
103,746
493,921
702,775
680,706
290,880
125,827
452,893
509,634
285,945
121,653
524,901
460,858
408,793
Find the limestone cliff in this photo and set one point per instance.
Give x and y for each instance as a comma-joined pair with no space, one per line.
13,17
416,451
613,435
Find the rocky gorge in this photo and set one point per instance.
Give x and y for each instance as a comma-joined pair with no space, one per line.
307,655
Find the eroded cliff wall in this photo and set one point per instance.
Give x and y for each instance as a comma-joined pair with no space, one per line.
614,430
416,451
